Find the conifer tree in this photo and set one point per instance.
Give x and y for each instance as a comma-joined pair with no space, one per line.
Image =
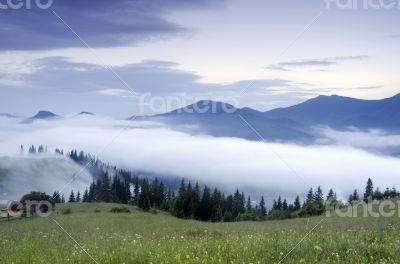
71,197
297,205
369,190
263,210
248,205
85,197
78,197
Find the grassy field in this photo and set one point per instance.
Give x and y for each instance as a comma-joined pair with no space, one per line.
139,237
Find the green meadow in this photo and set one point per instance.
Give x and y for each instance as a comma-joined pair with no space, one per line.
90,233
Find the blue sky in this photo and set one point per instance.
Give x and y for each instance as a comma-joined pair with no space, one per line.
262,54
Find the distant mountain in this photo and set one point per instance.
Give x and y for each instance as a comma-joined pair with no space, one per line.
86,113
225,120
293,123
44,115
8,115
41,115
340,112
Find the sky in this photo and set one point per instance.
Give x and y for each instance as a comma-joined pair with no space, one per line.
116,59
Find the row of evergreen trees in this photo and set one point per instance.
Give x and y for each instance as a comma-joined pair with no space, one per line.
200,203
371,194
192,201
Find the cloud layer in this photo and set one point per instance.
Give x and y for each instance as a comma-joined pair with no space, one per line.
269,168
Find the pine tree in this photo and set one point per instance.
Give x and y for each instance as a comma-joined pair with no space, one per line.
369,189
105,194
263,210
297,205
279,203
216,199
285,206
248,205
238,204
78,197
85,197
377,194
319,201
196,201
144,196
310,197
56,197
206,205
180,200
136,191
355,195
71,197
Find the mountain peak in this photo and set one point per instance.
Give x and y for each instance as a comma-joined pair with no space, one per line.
44,115
86,113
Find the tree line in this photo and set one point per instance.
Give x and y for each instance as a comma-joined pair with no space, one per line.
192,201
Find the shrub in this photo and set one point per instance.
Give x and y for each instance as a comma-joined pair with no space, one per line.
97,210
66,211
120,210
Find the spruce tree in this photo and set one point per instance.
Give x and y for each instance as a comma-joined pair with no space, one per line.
297,205
71,197
369,190
206,205
144,196
248,205
105,194
78,197
263,209
85,197
285,206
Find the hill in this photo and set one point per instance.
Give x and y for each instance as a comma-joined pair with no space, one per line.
139,237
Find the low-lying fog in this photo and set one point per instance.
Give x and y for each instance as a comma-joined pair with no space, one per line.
274,168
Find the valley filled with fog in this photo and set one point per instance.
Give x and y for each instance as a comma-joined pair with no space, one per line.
342,160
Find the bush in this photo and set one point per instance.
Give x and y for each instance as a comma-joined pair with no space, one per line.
120,210
97,210
66,211
39,197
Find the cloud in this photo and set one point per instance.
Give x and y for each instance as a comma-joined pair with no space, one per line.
100,23
370,139
22,174
286,66
269,168
57,84
116,92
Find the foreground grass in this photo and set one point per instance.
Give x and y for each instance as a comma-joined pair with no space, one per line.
140,237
